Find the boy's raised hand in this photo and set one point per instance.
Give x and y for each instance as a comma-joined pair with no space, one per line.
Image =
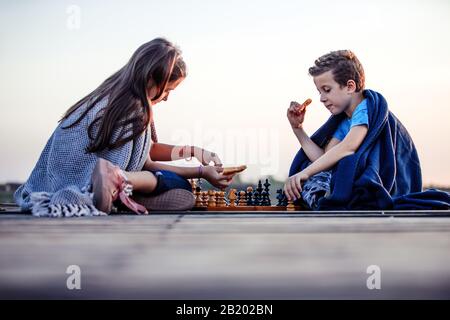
296,114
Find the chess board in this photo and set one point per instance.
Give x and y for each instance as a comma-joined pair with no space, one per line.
248,208
248,200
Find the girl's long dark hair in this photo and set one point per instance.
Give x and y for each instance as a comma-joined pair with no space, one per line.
155,63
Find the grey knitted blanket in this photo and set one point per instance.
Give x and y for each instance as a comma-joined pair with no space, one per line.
60,183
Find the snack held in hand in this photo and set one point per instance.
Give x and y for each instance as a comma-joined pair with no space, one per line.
233,170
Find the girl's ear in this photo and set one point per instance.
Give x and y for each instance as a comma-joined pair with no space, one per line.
151,90
351,86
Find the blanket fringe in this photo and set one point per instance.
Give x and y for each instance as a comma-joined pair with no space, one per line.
41,207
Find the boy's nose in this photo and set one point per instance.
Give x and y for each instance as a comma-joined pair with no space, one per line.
323,99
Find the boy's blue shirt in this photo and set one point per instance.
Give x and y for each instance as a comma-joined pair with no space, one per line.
359,117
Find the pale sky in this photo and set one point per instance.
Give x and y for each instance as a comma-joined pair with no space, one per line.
246,59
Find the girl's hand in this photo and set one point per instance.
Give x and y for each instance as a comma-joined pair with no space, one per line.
296,115
206,157
214,176
293,186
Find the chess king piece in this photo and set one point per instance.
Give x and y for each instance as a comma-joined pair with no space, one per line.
267,190
257,195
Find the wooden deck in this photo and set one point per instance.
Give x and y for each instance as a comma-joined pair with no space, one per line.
227,255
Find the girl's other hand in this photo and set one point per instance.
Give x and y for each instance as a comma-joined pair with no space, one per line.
206,157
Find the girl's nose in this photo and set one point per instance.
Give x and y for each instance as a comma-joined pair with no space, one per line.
322,98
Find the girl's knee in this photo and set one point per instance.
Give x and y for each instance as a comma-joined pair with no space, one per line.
168,180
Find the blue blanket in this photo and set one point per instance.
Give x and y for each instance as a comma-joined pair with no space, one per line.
385,171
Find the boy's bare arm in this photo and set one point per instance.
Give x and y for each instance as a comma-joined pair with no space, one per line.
345,148
311,149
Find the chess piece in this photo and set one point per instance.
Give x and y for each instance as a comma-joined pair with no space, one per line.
205,198
217,195
211,198
221,199
232,197
259,188
290,206
265,201
267,190
257,195
280,197
242,199
198,197
193,185
249,196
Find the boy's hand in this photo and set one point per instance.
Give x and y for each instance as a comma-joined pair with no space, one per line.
293,186
296,115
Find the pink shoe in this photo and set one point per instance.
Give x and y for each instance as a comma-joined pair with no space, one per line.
109,183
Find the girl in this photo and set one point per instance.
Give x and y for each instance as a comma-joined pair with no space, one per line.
105,147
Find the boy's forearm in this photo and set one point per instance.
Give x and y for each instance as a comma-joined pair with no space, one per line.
328,160
312,150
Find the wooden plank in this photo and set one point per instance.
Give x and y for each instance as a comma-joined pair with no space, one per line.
209,255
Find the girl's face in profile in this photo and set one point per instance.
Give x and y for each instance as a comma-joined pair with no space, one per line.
153,91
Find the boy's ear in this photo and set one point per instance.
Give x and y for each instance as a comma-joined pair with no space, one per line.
351,86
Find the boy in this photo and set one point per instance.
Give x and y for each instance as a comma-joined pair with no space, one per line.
362,157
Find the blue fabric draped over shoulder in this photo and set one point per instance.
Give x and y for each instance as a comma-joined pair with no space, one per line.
384,173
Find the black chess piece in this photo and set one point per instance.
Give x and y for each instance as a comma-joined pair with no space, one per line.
259,188
280,197
267,190
284,201
249,195
265,201
257,195
267,185
256,198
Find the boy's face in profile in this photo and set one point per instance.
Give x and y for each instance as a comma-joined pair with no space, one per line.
334,97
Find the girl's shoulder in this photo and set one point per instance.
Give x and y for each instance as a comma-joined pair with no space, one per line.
90,115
